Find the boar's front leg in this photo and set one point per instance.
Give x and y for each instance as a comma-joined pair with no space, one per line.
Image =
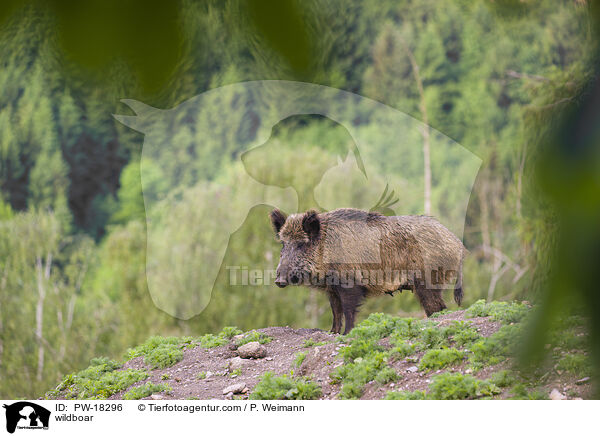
430,299
336,309
351,299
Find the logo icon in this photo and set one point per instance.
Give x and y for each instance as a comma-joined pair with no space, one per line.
26,415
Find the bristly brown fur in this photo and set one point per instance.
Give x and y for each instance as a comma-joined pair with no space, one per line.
348,240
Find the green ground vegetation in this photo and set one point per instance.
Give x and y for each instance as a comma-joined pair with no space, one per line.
286,387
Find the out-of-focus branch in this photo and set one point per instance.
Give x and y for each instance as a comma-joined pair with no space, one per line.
503,264
517,75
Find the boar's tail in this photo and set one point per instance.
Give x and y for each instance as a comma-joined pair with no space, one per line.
458,295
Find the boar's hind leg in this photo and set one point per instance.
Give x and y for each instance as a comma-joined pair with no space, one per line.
351,298
458,290
336,309
430,299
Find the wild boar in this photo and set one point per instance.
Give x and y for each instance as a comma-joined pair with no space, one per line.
352,254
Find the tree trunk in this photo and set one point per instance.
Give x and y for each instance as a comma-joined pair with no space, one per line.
520,180
424,130
2,288
43,274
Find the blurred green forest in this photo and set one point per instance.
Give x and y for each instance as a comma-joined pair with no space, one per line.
496,77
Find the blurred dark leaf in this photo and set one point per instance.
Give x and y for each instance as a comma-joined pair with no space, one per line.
145,34
281,25
95,34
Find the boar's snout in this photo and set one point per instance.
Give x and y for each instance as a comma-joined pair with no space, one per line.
291,278
281,276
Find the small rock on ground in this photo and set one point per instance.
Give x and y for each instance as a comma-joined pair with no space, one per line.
234,389
556,395
236,363
252,350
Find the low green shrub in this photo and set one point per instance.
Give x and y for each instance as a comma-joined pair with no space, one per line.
495,348
299,359
272,387
230,331
155,342
499,311
254,336
406,395
145,390
570,339
406,329
520,392
375,327
364,339
456,386
450,386
402,350
464,334
440,358
99,381
164,356
359,348
160,352
503,378
355,375
428,335
211,341
576,364
441,313
387,375
433,336
310,342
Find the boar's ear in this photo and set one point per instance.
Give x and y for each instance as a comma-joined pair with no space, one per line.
277,219
311,224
